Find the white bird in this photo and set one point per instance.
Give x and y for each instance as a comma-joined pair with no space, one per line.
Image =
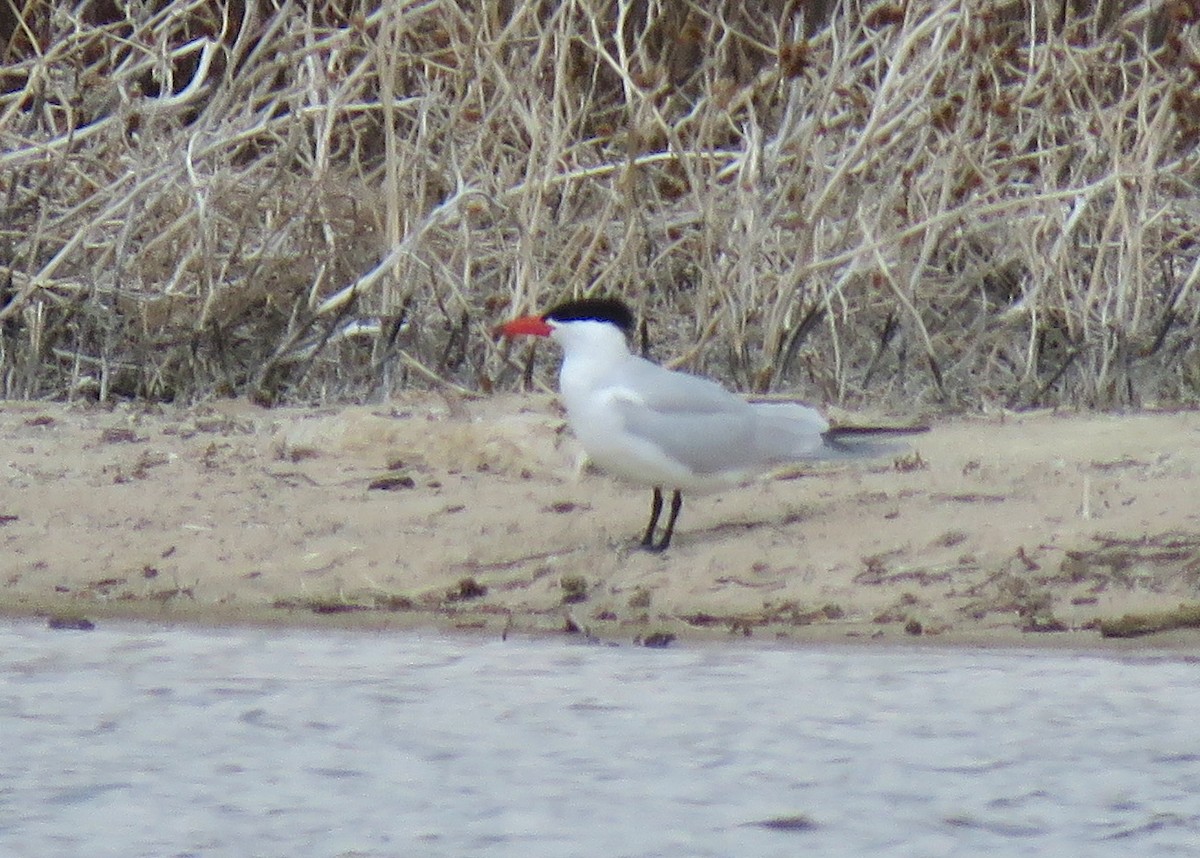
651,426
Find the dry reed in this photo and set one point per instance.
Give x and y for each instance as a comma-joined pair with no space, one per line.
932,203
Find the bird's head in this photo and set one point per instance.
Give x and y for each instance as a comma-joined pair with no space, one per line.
587,317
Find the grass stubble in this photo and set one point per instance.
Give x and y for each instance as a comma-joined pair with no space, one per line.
946,205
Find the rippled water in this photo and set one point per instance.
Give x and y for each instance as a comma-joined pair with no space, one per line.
137,740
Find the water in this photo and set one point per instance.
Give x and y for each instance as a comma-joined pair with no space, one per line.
138,740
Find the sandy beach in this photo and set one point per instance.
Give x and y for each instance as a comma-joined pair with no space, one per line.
1039,529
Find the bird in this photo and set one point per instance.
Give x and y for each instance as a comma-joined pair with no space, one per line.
668,430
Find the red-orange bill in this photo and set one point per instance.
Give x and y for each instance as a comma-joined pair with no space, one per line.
532,326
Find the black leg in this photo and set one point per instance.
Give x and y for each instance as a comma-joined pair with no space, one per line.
648,542
655,511
676,506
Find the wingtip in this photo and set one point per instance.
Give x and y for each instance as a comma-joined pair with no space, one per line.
836,433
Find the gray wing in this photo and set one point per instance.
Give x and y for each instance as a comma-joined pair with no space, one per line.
710,430
670,392
706,443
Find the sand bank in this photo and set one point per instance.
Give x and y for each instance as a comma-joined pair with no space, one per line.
1013,529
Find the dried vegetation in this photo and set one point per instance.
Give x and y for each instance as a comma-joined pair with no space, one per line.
948,203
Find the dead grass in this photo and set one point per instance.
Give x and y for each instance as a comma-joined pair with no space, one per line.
935,204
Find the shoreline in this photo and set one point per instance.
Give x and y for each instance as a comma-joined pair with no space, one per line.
484,627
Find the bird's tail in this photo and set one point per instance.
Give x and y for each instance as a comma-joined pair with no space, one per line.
854,442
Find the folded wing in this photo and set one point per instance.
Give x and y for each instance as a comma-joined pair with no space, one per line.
709,430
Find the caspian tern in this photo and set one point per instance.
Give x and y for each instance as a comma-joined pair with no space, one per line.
651,426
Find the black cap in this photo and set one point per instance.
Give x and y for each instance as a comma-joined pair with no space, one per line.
611,310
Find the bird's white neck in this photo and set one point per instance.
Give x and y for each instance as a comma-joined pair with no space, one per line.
590,349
